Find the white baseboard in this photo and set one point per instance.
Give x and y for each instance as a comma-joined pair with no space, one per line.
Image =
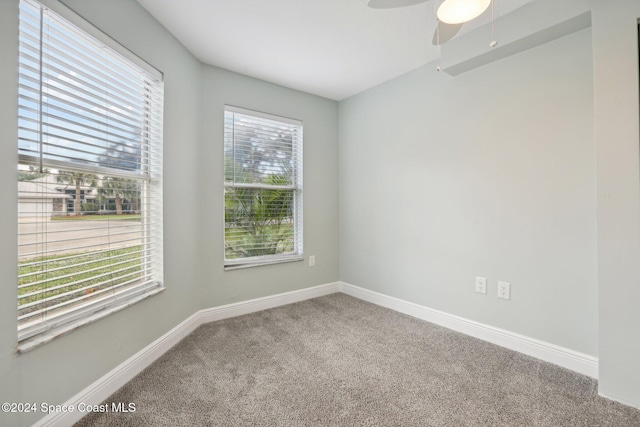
259,304
104,387
573,360
606,395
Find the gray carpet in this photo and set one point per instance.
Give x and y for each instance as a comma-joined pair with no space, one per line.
339,361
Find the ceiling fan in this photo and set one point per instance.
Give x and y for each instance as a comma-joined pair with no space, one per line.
451,14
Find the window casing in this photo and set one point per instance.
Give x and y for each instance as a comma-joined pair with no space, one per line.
89,175
262,188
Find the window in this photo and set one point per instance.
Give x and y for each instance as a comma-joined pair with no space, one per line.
89,176
262,188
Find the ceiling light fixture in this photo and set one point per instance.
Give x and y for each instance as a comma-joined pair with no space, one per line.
459,11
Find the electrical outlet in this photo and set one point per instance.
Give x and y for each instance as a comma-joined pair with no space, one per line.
312,260
504,290
481,285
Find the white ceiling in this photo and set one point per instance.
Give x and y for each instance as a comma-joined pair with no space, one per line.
331,48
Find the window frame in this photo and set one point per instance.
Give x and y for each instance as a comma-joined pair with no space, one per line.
297,187
150,178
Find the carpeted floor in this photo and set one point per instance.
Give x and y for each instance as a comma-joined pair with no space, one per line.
339,361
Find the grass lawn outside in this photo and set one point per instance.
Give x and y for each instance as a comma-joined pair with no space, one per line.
123,217
74,275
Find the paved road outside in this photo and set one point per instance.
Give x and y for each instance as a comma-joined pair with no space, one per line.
76,236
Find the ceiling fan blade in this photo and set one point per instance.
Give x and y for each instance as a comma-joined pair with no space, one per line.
391,4
447,32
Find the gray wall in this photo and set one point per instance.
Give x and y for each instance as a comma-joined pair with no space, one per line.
490,173
193,199
524,170
320,204
56,371
617,124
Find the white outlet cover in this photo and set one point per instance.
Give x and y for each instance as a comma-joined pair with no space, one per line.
312,260
504,290
481,285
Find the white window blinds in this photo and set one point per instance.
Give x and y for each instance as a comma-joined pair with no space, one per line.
263,188
89,177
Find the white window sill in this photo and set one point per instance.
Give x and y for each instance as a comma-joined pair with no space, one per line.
48,336
260,262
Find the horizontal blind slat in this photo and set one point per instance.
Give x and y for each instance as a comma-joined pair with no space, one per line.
52,270
120,298
71,275
68,302
63,258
